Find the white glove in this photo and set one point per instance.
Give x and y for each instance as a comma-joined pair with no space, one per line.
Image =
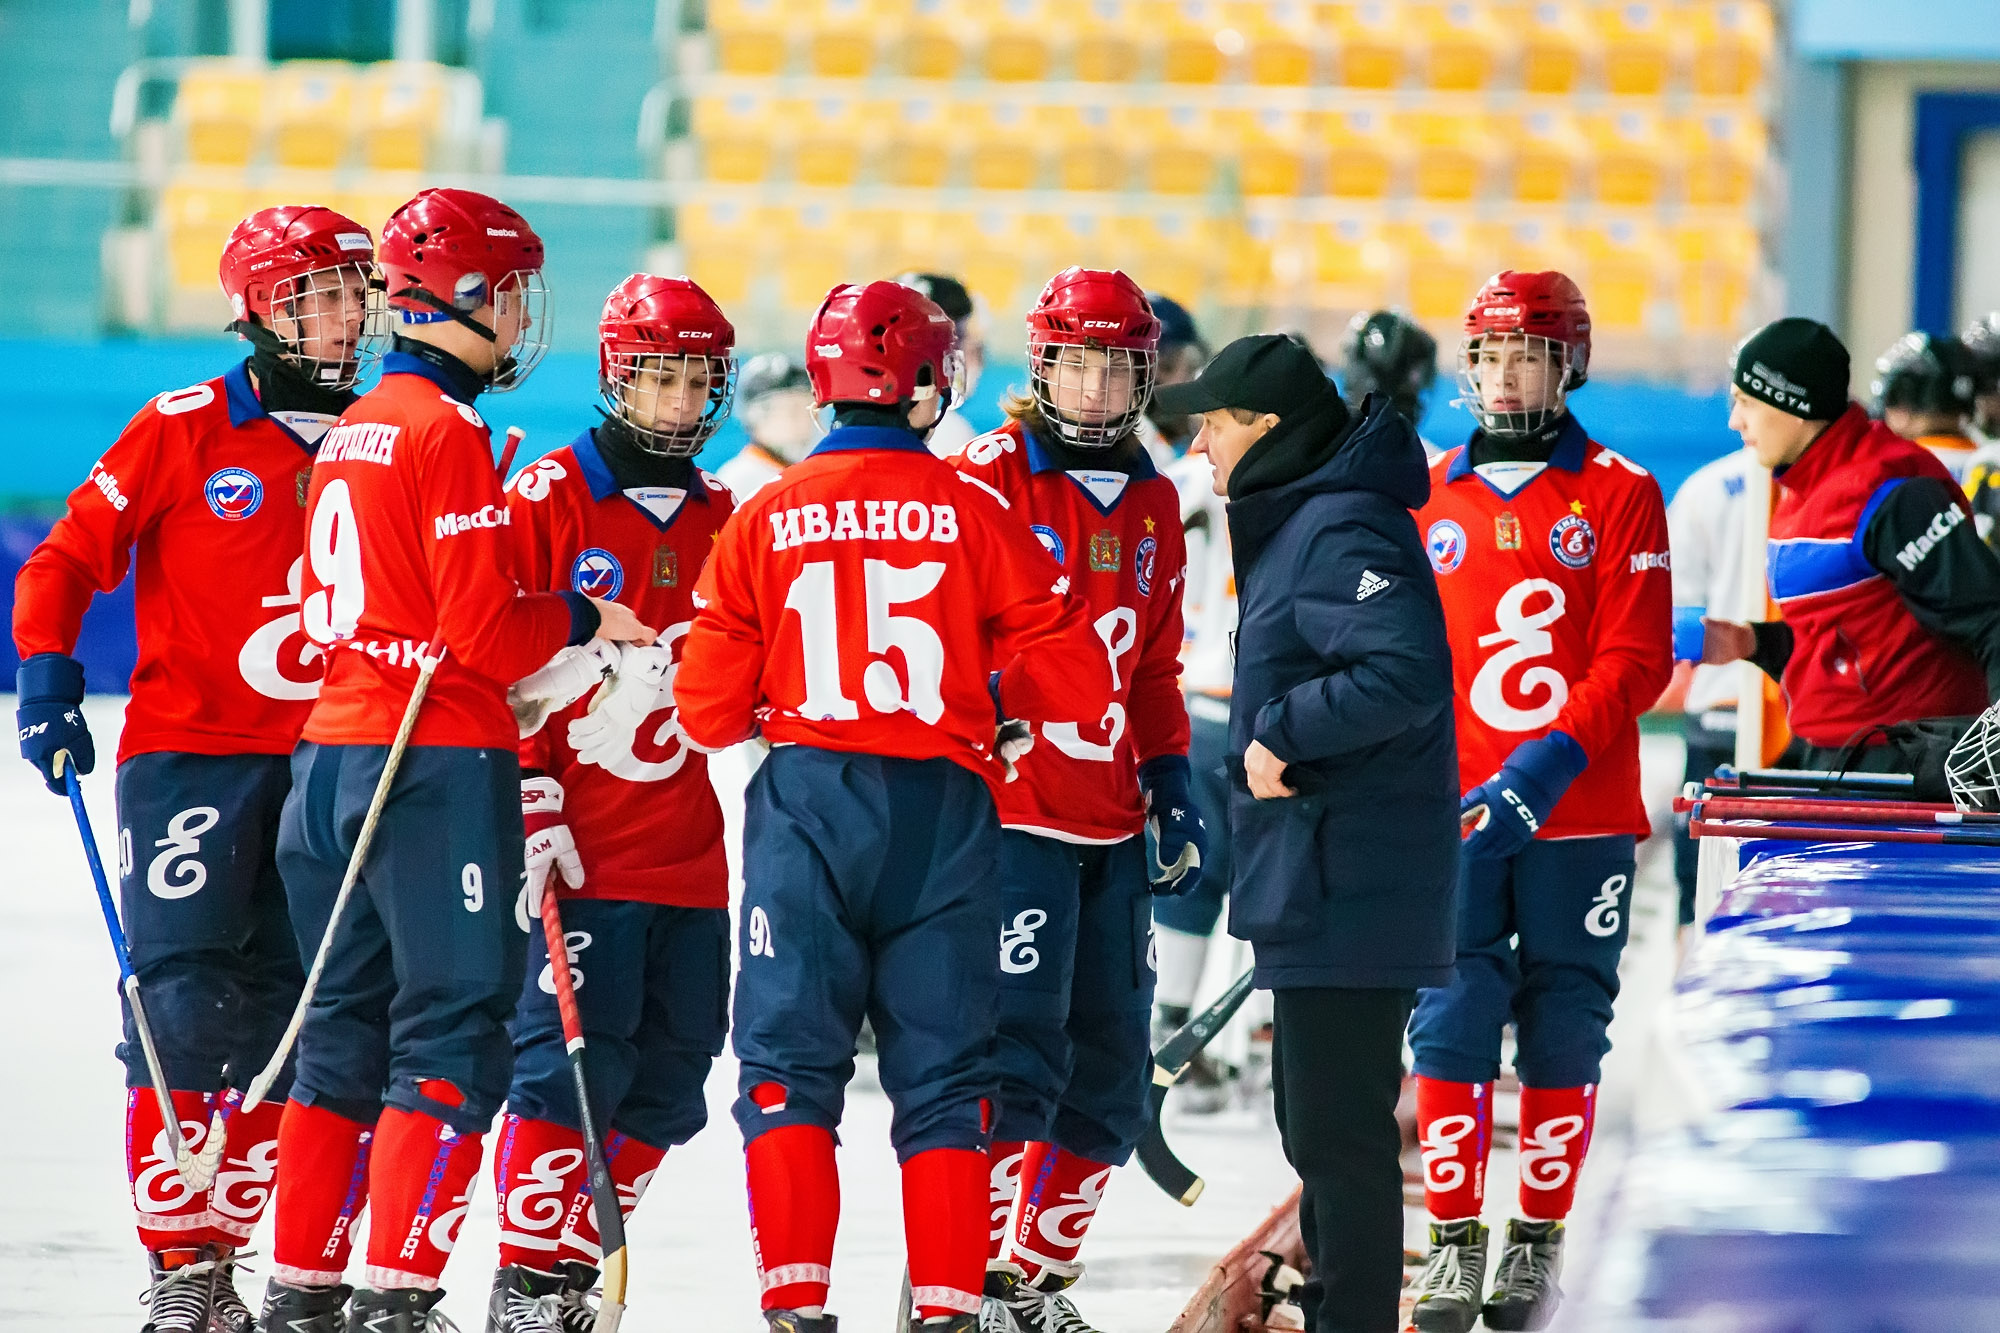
1012,741
550,845
642,683
565,678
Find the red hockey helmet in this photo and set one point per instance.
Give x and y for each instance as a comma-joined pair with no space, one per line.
884,344
1093,349
662,347
304,277
1545,311
448,253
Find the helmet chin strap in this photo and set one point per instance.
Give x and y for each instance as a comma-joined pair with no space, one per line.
501,366
282,385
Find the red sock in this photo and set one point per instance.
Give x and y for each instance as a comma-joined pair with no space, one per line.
631,1164
1003,1187
794,1211
321,1193
1555,1134
418,1182
1060,1194
1455,1130
944,1221
537,1166
248,1176
171,1214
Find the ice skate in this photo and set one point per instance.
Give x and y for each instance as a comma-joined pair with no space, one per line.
404,1310
182,1293
227,1312
1013,1304
791,1321
525,1301
1525,1294
1448,1290
289,1309
579,1315
963,1323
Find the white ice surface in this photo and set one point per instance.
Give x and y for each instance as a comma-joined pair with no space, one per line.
69,1260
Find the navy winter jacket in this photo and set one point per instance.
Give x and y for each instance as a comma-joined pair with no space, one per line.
1343,671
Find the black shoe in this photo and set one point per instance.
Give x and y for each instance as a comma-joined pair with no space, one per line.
182,1292
579,1285
403,1310
289,1309
960,1323
1525,1294
226,1311
1013,1304
1454,1275
525,1300
791,1321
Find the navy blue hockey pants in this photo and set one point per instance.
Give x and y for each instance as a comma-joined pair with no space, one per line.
1539,936
1197,911
870,887
426,962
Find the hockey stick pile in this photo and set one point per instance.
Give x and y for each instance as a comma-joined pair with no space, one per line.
1809,806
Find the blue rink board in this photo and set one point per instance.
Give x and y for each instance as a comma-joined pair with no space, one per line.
1838,1029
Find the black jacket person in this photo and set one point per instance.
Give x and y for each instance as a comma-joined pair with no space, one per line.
1344,800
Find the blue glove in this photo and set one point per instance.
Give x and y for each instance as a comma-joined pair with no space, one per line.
1179,836
50,716
1520,796
1688,633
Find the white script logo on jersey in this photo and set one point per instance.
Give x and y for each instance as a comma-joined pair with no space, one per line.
1017,954
269,655
637,734
1525,637
178,872
1603,917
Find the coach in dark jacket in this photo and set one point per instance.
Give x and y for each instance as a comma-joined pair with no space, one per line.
1344,794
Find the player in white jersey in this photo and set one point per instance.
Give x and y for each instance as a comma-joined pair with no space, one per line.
774,403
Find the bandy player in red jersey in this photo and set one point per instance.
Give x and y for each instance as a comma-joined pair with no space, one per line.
852,612
619,812
1076,991
1551,555
404,1057
208,484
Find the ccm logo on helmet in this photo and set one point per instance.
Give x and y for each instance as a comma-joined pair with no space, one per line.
491,516
1100,323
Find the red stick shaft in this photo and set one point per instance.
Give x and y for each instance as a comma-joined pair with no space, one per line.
1837,812
552,931
1702,828
507,451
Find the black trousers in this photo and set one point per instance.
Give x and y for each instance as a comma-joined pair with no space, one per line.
1337,1066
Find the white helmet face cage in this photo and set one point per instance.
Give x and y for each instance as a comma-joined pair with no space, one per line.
1092,397
522,292
1972,769
332,322
650,393
1512,416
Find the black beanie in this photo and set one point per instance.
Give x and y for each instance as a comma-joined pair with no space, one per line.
1796,365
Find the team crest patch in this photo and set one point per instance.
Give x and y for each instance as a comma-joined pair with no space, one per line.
233,493
1142,563
666,567
1507,531
1050,539
1105,556
302,485
597,573
1572,541
1445,544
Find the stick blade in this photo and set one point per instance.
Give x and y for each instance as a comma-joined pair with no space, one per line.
198,1169
1167,1171
611,1304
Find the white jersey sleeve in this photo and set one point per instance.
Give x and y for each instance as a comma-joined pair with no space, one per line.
1209,610
1705,529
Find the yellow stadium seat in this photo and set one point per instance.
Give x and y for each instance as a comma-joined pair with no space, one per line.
1187,29
314,107
402,110
1629,157
1450,155
1636,53
1544,148
196,221
1621,268
1279,41
920,142
221,106
1554,40
1175,146
1461,44
1732,46
1088,155
1246,249
829,146
1003,148
1017,46
1170,254
812,254
1528,245
1723,154
1441,268
372,207
1350,263
1718,265
841,43
1360,155
1106,41
931,41
749,36
1371,45
736,134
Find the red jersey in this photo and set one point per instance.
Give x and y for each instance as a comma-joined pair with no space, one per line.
1118,536
406,553
210,490
856,604
646,822
1559,602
